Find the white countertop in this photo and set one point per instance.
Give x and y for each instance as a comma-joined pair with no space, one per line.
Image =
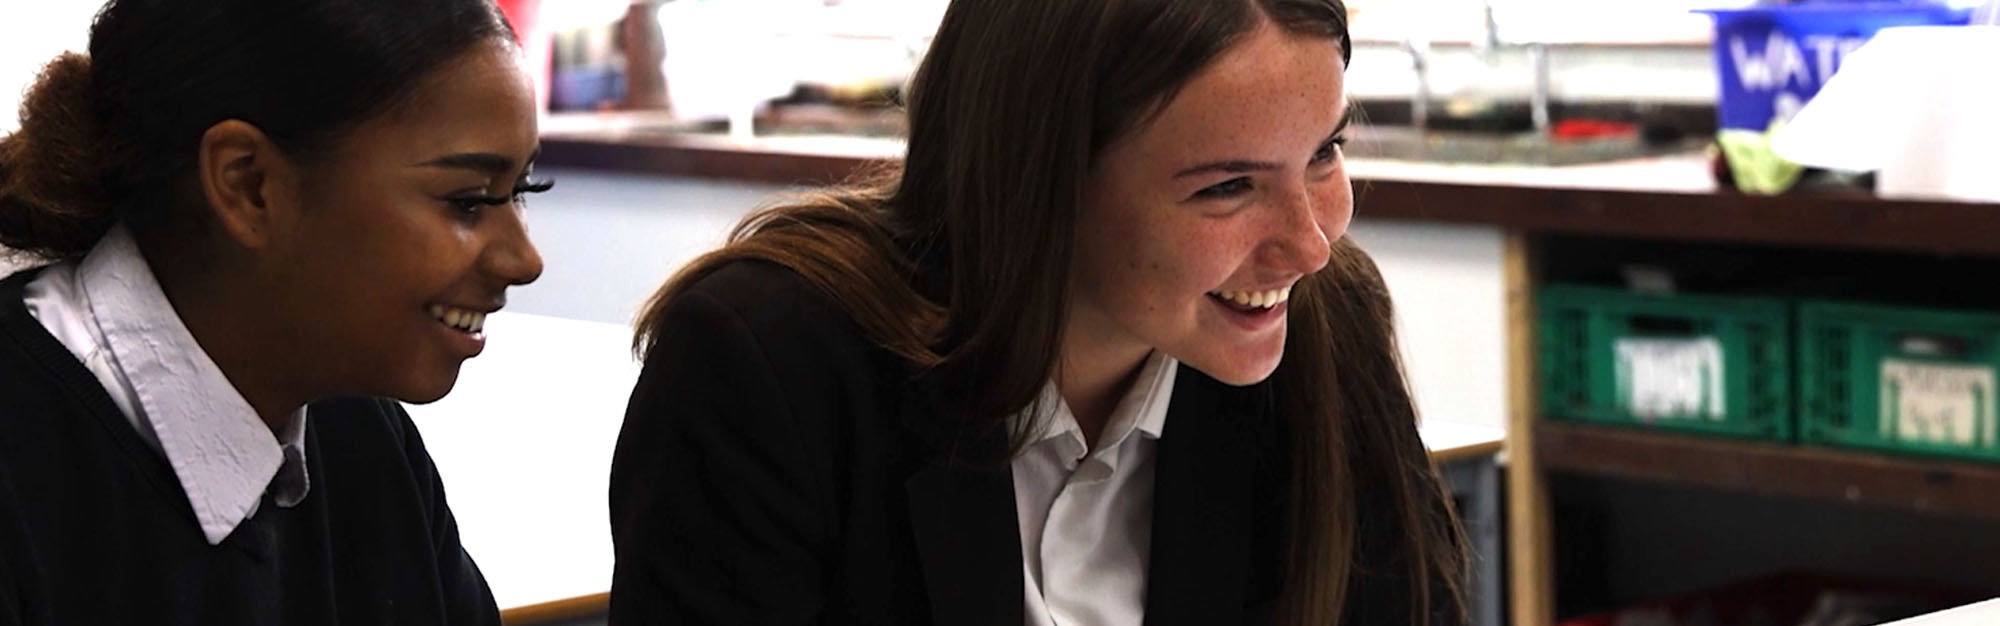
1981,614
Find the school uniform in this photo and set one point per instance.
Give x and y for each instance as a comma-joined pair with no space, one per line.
776,467
137,486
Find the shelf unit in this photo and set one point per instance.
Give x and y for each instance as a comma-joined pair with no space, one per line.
1766,469
1537,446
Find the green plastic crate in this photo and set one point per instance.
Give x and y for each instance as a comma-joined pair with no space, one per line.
1706,364
1899,380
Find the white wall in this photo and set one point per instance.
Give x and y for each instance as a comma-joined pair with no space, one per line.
32,33
607,240
1450,314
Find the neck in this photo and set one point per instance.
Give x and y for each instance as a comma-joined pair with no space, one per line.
1093,377
224,315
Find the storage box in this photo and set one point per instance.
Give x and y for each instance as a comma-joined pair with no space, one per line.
1708,364
1899,380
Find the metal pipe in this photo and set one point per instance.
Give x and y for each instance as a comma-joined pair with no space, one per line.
1420,62
1538,100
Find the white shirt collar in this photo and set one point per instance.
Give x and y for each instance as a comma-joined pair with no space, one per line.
223,454
1143,409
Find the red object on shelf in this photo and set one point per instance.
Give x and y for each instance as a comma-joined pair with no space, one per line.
1591,129
536,42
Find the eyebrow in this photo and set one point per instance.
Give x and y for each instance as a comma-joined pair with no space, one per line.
482,162
1240,166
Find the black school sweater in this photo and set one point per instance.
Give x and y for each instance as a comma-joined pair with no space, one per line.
94,527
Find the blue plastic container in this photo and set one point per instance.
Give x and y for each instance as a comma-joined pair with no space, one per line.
1772,59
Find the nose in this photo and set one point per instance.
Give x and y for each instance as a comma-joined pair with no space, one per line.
510,256
1299,240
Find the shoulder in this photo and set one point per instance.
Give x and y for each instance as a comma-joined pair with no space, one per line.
754,347
37,374
365,427
14,316
767,295
363,445
769,305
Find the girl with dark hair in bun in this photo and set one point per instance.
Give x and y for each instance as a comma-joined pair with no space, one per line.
264,222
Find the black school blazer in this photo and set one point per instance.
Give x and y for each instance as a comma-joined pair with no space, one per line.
776,467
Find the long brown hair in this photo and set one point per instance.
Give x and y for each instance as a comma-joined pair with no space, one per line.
958,261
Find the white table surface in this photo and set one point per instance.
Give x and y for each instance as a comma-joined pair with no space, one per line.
524,445
1981,614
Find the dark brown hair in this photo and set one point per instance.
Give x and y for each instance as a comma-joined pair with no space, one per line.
113,135
958,261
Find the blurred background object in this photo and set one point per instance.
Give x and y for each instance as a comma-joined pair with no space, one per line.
1931,107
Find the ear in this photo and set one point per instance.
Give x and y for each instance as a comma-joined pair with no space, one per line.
240,168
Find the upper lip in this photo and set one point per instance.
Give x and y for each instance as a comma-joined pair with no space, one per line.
486,309
1278,287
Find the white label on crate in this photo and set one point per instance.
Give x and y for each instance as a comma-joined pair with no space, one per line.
1670,377
1937,403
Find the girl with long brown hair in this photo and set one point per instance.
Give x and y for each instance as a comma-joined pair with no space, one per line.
1098,352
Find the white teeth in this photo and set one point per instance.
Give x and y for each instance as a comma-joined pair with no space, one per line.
462,319
1258,299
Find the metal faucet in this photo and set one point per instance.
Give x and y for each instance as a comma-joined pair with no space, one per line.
1420,62
1538,98
1538,61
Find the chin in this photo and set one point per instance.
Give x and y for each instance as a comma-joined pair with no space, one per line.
422,398
1240,365
428,389
1240,376
1238,369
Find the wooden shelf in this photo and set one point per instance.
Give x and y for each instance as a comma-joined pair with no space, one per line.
1856,478
1535,204
1846,220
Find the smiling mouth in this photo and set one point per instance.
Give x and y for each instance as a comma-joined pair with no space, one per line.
464,320
1253,301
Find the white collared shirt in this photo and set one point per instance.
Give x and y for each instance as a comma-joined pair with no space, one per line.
1086,517
109,311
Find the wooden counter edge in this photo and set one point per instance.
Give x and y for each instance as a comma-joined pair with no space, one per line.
1447,456
557,610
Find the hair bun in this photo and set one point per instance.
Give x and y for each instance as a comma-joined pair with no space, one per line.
52,187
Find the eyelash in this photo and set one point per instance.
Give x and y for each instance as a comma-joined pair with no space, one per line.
1224,189
471,204
1332,148
1324,155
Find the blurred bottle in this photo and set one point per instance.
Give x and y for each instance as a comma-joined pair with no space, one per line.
645,49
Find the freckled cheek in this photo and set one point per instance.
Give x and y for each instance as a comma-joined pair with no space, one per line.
1333,203
1201,263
